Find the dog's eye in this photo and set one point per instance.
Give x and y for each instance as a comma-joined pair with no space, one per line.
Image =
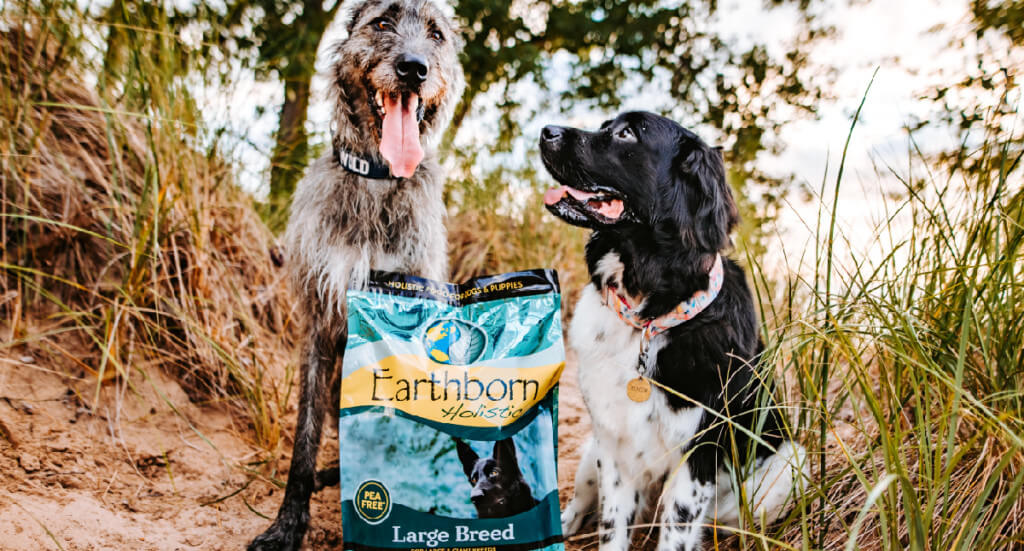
437,35
625,133
493,473
472,479
382,24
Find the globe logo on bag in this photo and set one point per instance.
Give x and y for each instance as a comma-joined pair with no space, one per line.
454,342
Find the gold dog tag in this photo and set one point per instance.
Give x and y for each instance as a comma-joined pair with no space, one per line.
638,390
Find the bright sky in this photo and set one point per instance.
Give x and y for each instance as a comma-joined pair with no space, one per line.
908,42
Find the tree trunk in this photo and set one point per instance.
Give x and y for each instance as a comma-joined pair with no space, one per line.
291,150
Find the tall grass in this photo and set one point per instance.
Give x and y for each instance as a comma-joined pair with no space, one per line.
121,233
906,361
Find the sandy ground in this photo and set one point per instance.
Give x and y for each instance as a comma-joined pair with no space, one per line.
143,477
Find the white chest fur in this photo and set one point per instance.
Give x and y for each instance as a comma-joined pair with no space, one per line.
648,436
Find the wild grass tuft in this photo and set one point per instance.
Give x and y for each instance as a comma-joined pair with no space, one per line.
126,233
906,362
483,242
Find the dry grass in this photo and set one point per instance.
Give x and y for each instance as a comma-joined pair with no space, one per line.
482,242
116,229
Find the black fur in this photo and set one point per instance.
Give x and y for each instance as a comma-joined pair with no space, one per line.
499,489
678,213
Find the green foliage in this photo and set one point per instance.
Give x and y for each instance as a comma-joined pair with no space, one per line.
275,40
286,35
743,93
143,58
1006,16
984,100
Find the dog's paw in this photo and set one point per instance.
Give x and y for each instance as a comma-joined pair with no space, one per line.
284,535
571,520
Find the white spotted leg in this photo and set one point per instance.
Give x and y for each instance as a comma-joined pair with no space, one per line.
584,498
620,499
684,510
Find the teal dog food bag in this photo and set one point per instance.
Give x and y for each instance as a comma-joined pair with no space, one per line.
448,419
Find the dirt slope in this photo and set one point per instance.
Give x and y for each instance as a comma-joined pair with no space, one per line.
144,477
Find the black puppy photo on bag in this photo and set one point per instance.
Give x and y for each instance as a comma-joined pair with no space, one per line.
498,486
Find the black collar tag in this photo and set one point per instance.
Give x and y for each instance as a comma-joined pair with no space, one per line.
358,165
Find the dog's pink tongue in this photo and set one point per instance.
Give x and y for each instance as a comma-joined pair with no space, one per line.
400,140
555,195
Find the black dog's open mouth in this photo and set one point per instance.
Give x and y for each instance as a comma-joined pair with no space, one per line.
576,205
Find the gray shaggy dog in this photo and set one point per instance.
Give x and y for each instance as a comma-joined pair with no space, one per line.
374,202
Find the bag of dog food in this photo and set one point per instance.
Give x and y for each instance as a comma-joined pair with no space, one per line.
449,414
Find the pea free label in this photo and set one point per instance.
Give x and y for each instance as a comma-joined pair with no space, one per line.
372,502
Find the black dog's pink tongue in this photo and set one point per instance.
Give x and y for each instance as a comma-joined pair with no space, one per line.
400,139
555,195
609,208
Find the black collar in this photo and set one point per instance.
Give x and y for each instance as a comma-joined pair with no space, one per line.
367,168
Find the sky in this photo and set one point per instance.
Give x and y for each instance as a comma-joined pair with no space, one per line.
908,43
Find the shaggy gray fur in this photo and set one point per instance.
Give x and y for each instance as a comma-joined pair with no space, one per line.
343,225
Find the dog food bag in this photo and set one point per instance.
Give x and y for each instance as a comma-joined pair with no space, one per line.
448,420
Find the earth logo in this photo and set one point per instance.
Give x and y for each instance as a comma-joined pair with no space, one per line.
454,342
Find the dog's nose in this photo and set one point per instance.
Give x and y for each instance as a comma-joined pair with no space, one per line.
412,70
552,133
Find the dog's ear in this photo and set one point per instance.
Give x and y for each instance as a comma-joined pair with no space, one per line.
714,211
467,456
505,455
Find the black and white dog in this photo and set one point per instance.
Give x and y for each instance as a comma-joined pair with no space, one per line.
499,489
664,305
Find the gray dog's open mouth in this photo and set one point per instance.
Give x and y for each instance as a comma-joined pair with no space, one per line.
400,115
571,203
380,105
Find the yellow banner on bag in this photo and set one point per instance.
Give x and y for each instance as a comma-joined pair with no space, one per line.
473,396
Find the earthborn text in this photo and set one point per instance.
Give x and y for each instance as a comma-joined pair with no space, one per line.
444,387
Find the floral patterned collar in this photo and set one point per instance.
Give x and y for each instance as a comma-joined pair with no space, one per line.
685,311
